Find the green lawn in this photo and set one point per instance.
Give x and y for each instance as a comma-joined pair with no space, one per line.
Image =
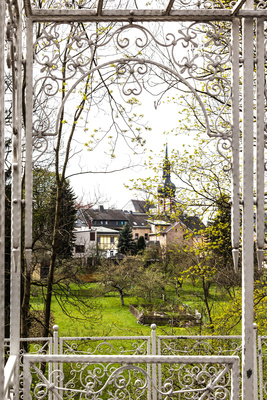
115,320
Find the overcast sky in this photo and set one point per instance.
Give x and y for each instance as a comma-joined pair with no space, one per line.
111,186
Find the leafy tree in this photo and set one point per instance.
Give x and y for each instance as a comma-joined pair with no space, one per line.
218,245
150,282
152,255
118,277
126,244
177,260
204,273
228,321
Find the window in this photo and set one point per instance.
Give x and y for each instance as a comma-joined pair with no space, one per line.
111,239
92,236
121,222
98,239
146,236
79,248
136,236
106,222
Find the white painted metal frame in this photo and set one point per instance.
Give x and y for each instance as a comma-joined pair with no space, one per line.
140,345
2,197
248,208
128,362
243,10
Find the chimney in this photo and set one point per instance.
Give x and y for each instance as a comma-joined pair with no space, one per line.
101,208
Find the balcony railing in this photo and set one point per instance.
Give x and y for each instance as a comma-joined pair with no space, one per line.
156,367
127,377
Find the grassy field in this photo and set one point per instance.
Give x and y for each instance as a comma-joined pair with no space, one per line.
112,319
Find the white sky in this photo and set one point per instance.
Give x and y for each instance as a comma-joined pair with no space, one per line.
111,186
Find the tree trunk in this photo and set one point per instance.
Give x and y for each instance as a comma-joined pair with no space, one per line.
50,278
122,297
25,307
206,287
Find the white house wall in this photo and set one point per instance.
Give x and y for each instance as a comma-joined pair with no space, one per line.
82,238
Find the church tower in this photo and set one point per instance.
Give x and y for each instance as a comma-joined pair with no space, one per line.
166,190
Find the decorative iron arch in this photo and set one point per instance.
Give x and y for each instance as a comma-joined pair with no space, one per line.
206,11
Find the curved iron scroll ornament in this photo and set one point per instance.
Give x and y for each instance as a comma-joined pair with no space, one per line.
92,381
72,52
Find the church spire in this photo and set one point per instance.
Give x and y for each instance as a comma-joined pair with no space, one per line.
166,166
166,190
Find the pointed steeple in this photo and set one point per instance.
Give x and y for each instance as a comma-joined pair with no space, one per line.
166,166
167,188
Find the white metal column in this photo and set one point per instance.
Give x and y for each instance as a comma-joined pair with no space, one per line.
15,275
260,141
248,205
2,197
28,160
235,211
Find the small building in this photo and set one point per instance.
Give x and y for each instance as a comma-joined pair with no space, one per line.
165,233
85,242
139,224
101,217
107,241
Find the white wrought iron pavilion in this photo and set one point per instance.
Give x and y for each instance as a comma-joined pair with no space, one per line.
134,16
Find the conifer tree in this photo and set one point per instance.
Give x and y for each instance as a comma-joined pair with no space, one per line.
126,243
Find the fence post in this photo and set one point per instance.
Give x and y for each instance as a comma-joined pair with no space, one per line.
255,367
260,367
56,375
154,366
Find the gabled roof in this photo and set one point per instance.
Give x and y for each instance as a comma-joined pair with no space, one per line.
139,206
160,222
81,229
103,214
192,222
169,228
137,220
106,231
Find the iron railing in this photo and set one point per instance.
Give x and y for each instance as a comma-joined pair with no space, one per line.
55,366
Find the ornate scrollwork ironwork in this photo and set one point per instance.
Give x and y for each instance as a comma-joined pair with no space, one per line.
200,346
93,381
107,346
69,53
